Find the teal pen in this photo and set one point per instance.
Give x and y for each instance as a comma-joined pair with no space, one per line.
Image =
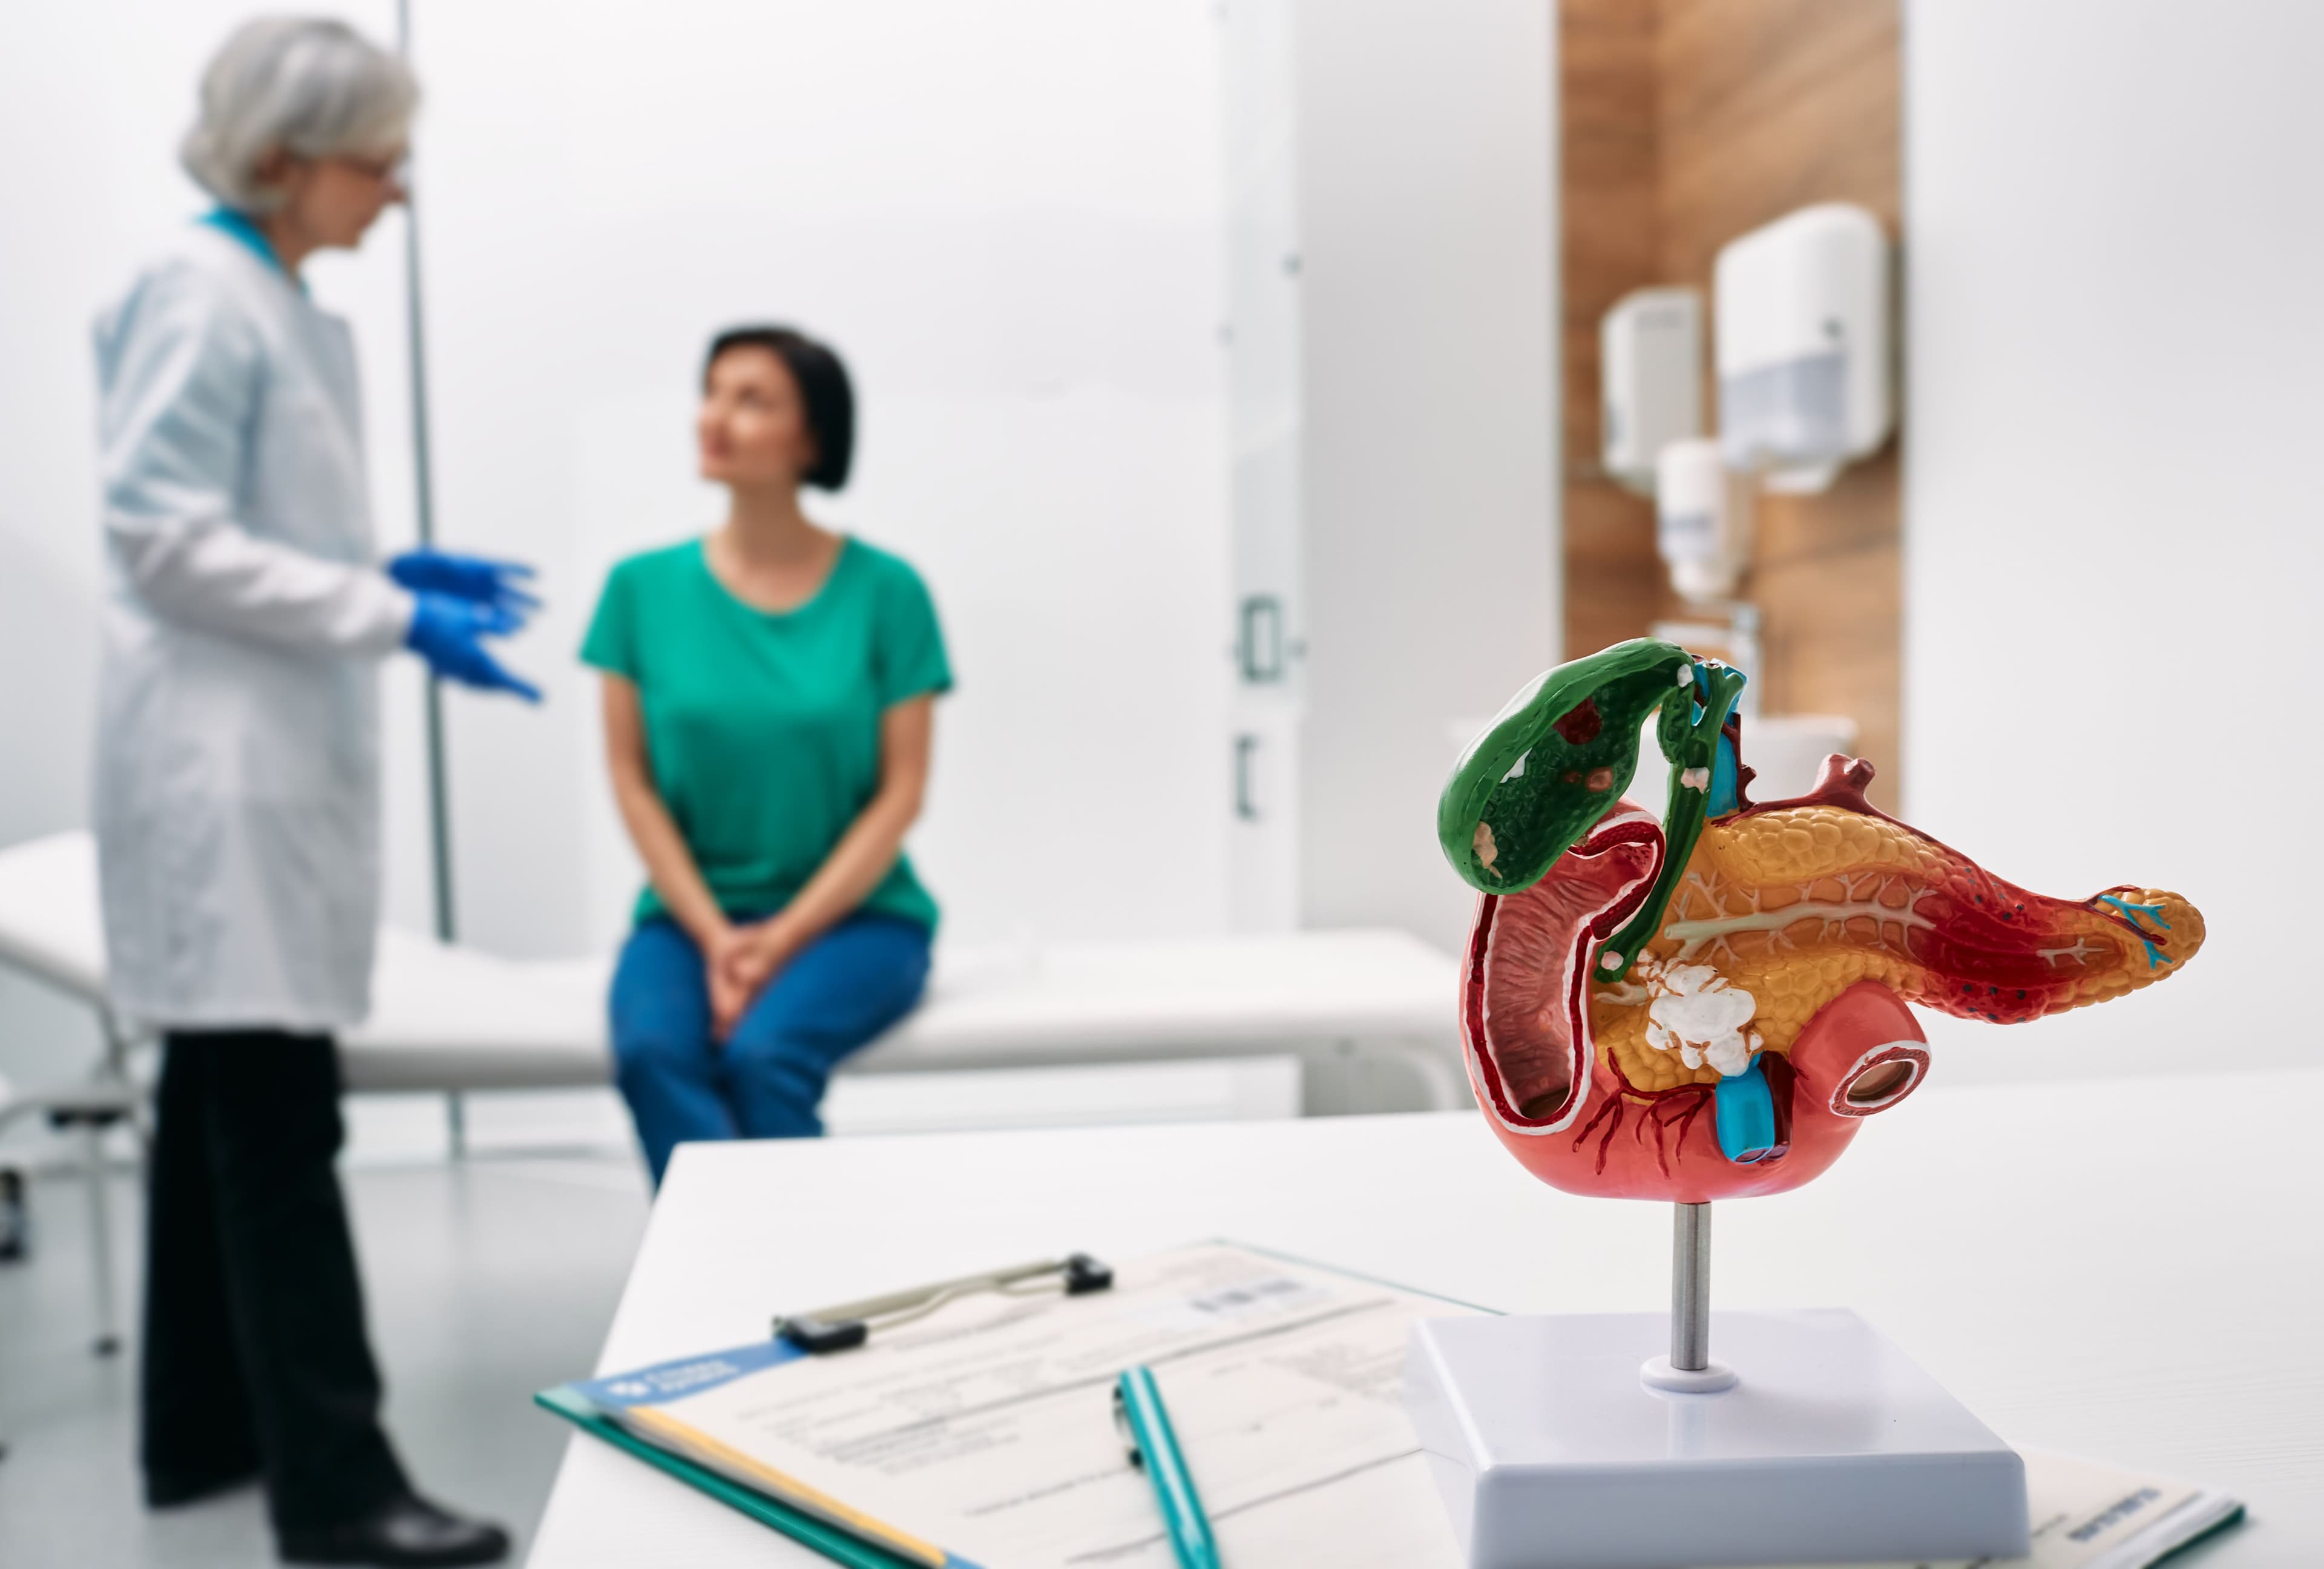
1144,1423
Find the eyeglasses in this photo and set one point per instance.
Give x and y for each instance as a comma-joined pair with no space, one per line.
394,171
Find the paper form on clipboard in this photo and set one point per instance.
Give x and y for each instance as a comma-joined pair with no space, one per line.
983,1436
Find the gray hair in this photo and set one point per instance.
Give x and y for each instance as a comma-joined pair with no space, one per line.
314,88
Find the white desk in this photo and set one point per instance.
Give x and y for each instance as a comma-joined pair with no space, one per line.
2132,1271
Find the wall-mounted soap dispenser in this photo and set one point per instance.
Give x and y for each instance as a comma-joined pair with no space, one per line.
1650,372
1804,343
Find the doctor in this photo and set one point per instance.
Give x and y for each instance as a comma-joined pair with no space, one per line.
238,788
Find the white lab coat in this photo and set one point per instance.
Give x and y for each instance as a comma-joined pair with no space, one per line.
238,757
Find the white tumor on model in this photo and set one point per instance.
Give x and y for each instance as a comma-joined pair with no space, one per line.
1695,1012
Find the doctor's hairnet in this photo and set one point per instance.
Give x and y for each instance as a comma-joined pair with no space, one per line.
313,87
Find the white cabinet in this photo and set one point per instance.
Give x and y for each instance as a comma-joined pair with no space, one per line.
1264,453
1391,349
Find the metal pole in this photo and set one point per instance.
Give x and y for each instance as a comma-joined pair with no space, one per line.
423,490
1691,1288
101,1235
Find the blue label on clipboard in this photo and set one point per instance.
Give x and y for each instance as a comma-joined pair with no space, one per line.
666,1381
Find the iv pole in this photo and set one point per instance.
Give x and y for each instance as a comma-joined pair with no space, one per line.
423,487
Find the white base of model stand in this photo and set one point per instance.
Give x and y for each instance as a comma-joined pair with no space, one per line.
1572,1441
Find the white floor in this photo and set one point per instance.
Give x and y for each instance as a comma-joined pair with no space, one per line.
487,1279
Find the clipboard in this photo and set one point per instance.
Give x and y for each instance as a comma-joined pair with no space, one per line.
799,1466
839,1547
822,1332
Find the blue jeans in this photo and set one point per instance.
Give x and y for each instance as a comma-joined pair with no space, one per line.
765,1080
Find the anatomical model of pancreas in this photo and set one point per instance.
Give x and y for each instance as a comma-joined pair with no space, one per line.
1790,905
1709,1005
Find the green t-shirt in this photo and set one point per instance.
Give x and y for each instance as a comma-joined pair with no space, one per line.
763,729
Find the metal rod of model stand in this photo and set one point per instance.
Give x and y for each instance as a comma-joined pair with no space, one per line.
1690,1349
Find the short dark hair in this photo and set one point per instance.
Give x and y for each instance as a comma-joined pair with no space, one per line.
825,392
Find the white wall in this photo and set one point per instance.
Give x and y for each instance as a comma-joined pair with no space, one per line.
1008,217
2114,546
1429,283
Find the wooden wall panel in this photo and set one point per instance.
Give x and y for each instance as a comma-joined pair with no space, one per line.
1758,108
1607,202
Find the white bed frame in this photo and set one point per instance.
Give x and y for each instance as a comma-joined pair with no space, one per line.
455,1020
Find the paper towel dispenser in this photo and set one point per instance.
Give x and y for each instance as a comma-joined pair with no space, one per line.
1803,346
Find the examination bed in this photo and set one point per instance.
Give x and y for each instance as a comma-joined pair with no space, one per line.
1370,1013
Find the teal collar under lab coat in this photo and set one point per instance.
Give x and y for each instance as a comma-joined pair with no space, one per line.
227,221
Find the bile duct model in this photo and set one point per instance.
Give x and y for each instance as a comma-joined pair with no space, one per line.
1707,1007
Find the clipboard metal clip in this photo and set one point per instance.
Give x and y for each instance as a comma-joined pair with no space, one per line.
850,1324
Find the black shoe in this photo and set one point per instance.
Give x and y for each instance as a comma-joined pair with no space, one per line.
408,1530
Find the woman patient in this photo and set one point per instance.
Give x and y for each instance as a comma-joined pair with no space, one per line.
769,699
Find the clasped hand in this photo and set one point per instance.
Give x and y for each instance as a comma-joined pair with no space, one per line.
740,961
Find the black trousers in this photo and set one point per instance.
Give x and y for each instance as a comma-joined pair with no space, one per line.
256,1357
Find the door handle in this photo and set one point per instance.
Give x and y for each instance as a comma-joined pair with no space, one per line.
1260,641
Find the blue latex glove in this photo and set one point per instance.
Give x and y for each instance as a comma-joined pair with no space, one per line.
474,578
449,633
